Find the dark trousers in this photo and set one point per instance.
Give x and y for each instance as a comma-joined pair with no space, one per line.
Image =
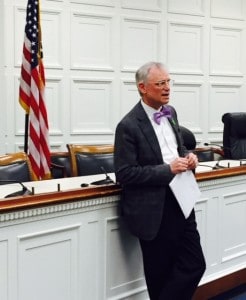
173,260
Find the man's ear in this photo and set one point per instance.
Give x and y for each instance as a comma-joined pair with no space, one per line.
141,87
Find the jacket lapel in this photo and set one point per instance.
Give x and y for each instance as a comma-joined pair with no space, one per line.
174,123
150,135
148,131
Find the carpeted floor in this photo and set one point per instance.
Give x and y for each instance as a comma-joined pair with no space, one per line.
238,293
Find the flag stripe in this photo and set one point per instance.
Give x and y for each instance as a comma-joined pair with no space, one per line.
32,93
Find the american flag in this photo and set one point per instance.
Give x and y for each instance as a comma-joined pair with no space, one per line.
31,93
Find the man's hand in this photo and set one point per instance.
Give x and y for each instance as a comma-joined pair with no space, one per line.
192,161
182,164
179,165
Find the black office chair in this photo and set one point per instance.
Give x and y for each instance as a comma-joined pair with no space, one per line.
91,159
188,138
15,166
234,135
203,153
60,164
209,153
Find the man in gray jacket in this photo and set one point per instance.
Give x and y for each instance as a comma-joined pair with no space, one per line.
149,152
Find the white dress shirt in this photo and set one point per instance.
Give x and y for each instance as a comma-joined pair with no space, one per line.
165,135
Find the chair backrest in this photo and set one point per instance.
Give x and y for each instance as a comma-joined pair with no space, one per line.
16,166
60,164
91,159
203,153
208,153
188,138
234,135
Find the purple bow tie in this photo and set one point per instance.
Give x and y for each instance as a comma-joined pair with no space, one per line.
164,112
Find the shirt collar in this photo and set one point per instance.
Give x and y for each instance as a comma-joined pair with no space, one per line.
148,109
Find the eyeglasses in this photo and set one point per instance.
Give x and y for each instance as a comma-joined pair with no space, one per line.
163,83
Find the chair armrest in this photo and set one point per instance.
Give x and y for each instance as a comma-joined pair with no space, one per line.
208,153
219,151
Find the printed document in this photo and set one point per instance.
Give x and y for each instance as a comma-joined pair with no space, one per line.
186,191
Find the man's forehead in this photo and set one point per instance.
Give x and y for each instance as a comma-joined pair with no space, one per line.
157,72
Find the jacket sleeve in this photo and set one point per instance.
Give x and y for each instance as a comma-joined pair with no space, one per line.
135,162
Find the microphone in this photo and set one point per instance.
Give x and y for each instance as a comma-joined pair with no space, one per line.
208,166
217,166
211,144
22,192
107,180
217,145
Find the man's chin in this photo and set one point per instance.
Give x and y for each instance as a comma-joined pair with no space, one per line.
165,100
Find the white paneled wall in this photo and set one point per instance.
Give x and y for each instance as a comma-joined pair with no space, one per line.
92,49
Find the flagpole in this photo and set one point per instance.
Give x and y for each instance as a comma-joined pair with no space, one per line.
26,133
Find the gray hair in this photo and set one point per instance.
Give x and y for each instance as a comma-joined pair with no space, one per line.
143,72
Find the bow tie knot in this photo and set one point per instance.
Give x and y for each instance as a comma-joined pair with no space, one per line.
164,112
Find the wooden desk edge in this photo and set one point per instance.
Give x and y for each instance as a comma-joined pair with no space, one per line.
31,201
221,173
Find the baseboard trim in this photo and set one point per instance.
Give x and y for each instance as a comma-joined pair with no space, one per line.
220,285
